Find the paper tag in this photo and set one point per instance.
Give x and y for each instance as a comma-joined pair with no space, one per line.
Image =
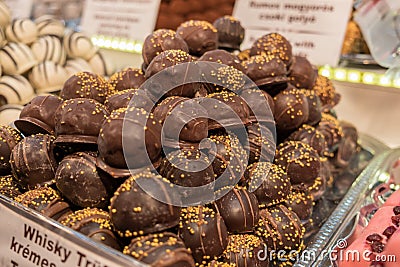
316,28
128,19
20,8
27,243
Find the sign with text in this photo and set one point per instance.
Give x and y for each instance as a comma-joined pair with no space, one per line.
128,19
20,8
315,28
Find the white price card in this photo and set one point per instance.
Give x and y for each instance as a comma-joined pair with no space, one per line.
20,8
127,19
28,239
315,28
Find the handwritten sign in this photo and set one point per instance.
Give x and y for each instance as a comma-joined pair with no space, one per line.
316,28
129,19
20,8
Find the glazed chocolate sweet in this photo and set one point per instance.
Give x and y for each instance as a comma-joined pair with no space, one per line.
222,57
261,143
46,201
8,186
79,181
182,119
311,136
230,33
94,223
137,98
128,78
220,78
300,201
201,36
162,249
330,128
204,232
326,91
269,183
165,60
261,105
86,84
38,115
134,212
273,44
314,106
9,138
239,209
245,250
348,145
300,161
32,161
162,40
301,73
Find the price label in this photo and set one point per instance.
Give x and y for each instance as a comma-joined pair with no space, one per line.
128,19
316,28
20,8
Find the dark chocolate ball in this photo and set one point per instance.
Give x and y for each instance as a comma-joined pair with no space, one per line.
348,145
32,161
162,40
137,98
244,250
326,91
261,143
134,212
128,78
269,183
261,105
9,187
201,36
38,115
94,223
161,249
79,181
166,59
330,128
204,232
9,138
239,209
311,136
46,201
301,202
222,78
230,33
85,84
222,57
314,106
301,73
300,161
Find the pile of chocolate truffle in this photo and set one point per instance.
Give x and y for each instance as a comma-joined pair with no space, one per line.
83,157
37,57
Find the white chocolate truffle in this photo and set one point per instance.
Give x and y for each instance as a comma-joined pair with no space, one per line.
77,65
49,48
5,14
22,30
49,25
16,89
48,77
9,113
101,65
76,44
3,39
16,58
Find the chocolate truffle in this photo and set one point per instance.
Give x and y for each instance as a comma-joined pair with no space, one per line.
318,188
32,161
314,106
299,160
311,136
230,33
222,57
273,44
46,201
300,201
137,98
330,128
94,223
204,232
86,85
301,73
201,36
261,105
269,183
165,60
182,119
239,209
348,145
162,40
243,250
38,115
9,187
79,120
9,138
326,91
222,78
134,212
261,143
128,78
79,181
162,249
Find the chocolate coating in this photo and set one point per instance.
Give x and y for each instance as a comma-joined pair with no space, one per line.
222,57
326,91
314,106
348,145
32,161
311,136
38,115
201,36
261,143
269,183
94,223
222,78
239,209
134,212
204,232
162,40
85,84
260,104
330,128
128,78
162,249
9,138
301,73
46,201
230,33
300,201
9,187
130,97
